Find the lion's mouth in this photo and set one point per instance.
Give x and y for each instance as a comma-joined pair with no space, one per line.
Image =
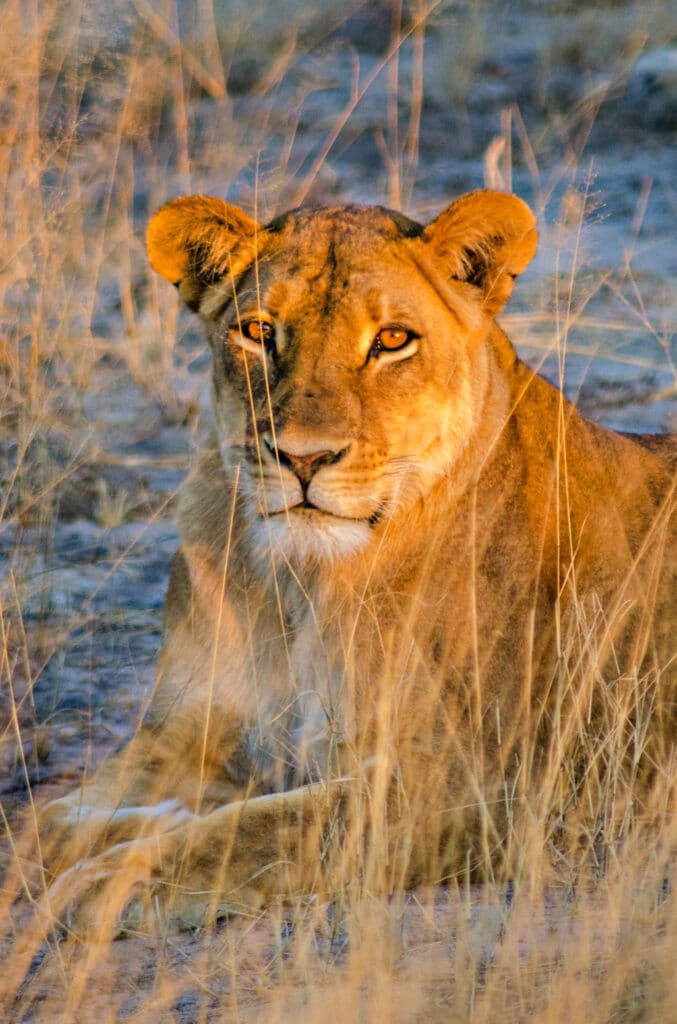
309,511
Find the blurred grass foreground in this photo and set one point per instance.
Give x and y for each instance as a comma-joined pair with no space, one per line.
106,111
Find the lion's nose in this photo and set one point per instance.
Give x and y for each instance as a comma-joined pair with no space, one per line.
306,466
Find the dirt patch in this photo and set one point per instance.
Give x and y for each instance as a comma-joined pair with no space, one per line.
104,403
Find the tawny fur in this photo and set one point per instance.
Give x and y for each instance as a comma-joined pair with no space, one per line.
379,651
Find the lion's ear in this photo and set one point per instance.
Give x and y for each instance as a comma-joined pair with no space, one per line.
487,239
194,240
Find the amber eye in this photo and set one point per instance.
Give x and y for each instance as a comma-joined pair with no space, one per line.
260,331
391,339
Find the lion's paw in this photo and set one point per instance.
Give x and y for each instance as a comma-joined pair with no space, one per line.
71,831
96,898
124,891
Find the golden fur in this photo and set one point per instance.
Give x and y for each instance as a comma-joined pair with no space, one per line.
406,561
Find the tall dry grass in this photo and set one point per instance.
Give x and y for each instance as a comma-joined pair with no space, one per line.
107,112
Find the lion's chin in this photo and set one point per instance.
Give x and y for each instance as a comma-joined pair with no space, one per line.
308,536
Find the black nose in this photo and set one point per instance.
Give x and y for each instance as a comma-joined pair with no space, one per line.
306,466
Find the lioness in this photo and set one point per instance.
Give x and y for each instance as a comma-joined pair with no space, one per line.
411,577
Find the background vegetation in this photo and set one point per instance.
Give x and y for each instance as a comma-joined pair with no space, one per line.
107,110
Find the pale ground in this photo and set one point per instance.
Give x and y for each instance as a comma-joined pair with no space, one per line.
84,585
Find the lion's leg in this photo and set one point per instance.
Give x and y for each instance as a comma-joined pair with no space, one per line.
234,859
374,825
243,855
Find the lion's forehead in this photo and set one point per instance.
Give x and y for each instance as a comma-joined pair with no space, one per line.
365,276
369,222
334,247
357,295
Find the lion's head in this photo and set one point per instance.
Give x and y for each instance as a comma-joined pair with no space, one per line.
348,369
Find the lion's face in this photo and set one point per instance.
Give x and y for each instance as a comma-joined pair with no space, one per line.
333,391
347,369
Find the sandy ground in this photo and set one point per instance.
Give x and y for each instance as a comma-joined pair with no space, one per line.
86,598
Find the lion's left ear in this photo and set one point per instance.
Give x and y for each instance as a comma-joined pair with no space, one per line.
487,239
194,240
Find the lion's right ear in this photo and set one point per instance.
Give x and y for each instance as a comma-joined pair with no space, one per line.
194,240
486,239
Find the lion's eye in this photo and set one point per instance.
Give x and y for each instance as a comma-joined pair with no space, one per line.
260,331
392,339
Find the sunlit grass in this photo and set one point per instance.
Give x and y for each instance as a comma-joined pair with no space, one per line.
102,124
